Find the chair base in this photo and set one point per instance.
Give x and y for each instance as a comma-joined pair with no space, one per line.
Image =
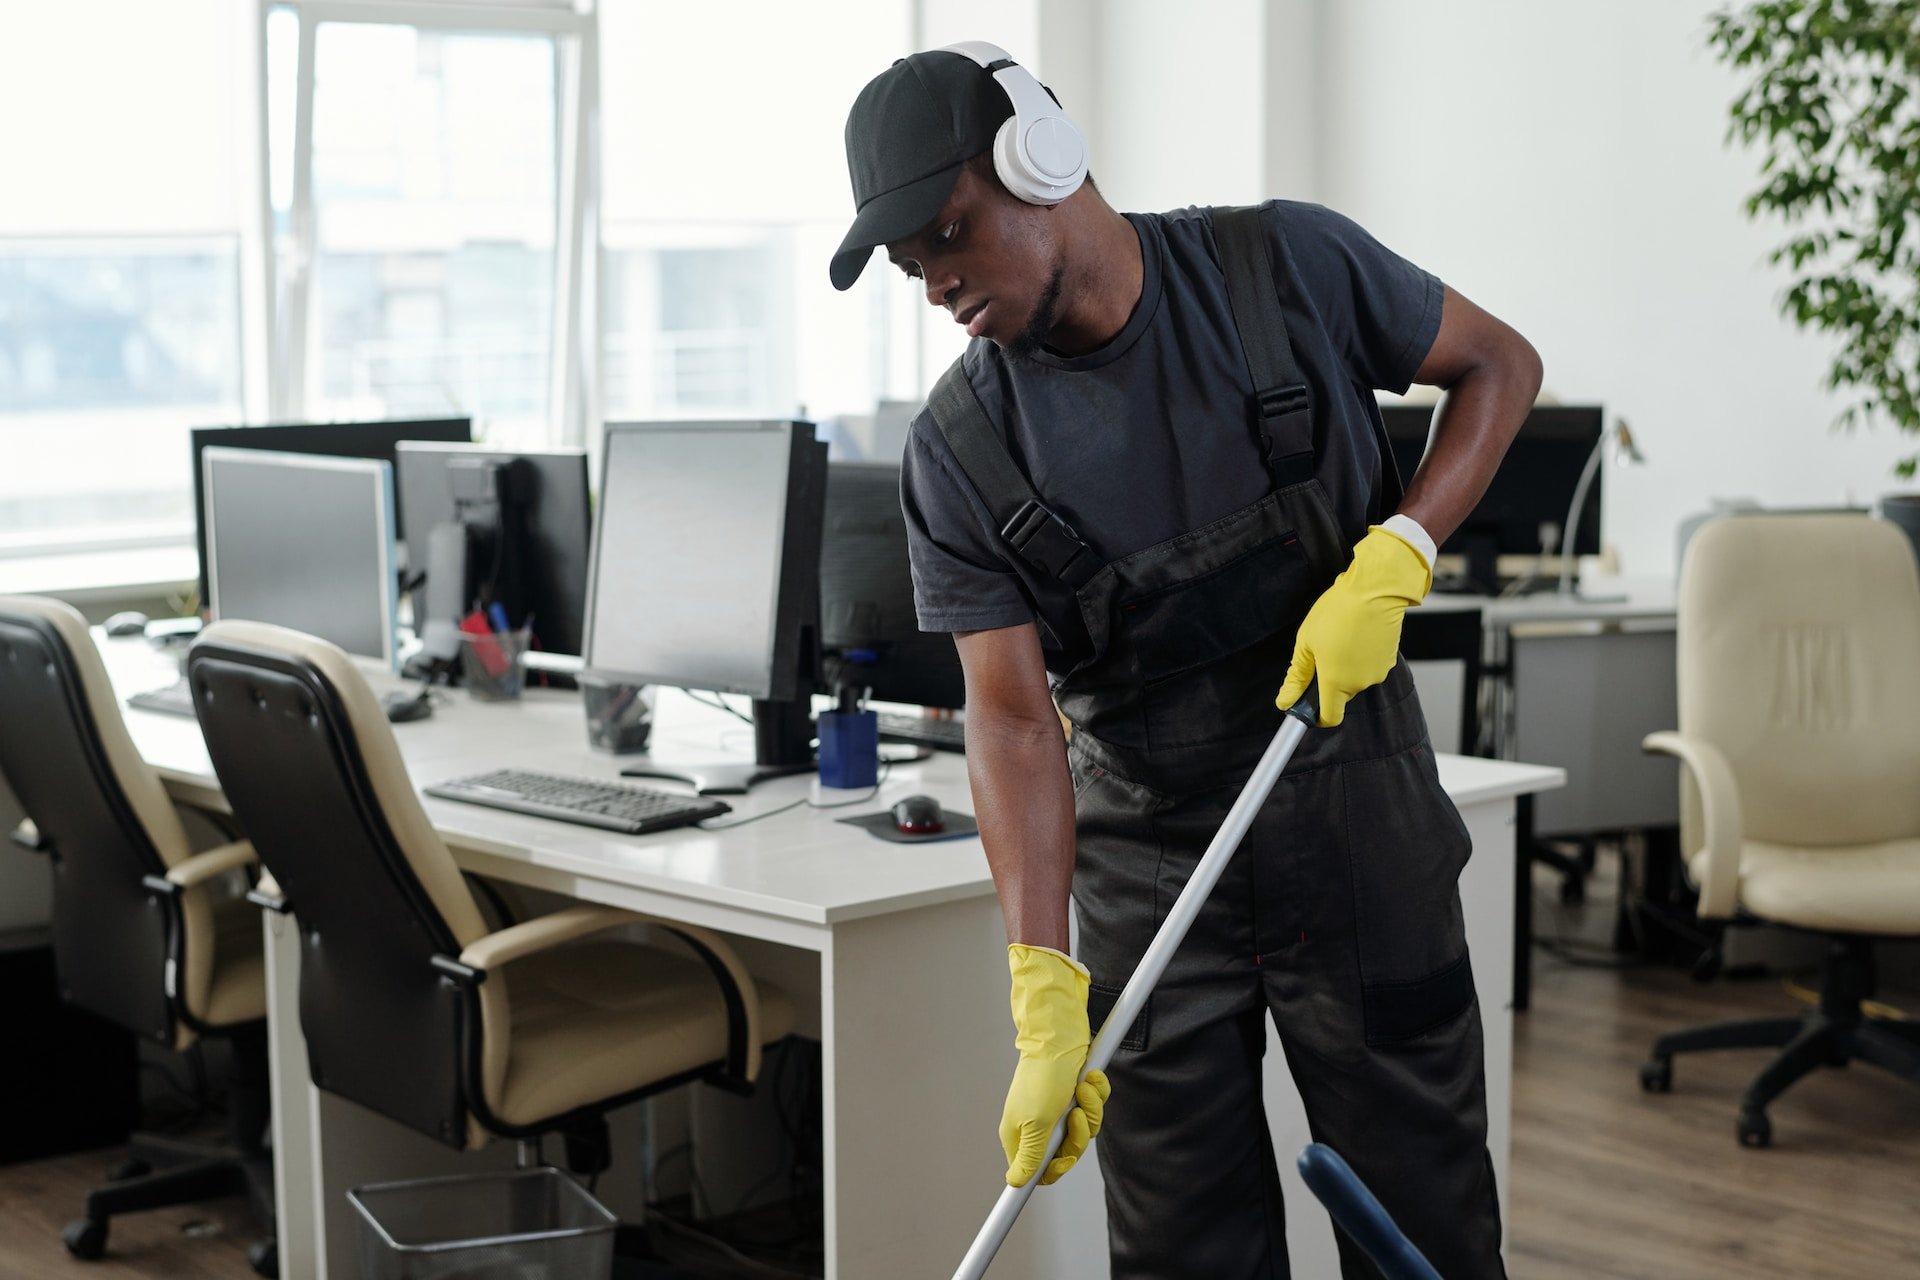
161,1173
1835,1033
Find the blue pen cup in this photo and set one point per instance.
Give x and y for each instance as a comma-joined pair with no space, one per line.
849,748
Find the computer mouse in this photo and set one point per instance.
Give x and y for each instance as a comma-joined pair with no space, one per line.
130,623
403,706
918,816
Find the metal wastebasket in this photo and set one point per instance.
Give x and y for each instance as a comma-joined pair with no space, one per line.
529,1224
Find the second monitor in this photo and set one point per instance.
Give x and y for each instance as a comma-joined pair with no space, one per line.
1530,494
705,575
870,634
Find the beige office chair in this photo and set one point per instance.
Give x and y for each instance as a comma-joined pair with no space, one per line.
410,1006
1799,670
142,932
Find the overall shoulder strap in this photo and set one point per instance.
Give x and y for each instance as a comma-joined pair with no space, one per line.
1038,536
1282,409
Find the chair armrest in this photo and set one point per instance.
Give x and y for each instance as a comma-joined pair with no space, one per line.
1720,819
543,932
216,861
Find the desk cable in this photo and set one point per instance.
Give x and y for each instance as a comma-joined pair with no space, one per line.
865,798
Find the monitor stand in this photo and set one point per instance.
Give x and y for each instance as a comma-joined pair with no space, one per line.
782,747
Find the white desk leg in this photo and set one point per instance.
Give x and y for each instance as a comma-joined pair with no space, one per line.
295,1225
916,1053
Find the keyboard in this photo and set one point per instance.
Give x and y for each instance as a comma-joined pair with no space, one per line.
175,699
611,806
941,735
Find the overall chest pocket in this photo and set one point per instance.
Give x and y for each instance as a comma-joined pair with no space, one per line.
1211,651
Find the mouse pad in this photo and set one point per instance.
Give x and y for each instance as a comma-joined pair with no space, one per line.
959,826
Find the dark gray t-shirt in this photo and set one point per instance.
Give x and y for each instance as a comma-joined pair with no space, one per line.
1150,436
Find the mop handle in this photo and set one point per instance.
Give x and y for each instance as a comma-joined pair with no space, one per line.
1305,712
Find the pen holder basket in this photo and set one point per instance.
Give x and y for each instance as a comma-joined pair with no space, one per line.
493,666
619,715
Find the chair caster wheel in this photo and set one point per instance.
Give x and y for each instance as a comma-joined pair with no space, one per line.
264,1257
1656,1075
1755,1129
86,1238
131,1168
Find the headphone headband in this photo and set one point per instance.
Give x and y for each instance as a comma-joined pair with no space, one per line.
1039,153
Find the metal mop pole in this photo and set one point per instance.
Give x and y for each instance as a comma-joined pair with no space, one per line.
1302,714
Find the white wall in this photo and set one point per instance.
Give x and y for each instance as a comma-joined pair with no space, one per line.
1560,164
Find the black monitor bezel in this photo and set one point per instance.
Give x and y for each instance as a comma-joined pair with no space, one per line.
927,684
1406,424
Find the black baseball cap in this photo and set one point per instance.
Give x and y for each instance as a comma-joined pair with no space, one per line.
910,131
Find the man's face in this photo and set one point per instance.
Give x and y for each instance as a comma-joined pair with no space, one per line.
989,260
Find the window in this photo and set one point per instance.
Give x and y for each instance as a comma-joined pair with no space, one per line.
725,194
333,209
109,349
123,237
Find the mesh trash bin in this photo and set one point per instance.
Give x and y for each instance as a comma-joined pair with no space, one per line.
532,1224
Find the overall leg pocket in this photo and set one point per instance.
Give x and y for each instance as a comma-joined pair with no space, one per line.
1407,846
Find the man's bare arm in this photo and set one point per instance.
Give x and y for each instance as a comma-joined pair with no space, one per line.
1022,792
1491,375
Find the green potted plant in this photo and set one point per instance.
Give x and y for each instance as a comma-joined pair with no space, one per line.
1834,102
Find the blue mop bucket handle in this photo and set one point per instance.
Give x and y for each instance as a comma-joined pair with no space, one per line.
1357,1213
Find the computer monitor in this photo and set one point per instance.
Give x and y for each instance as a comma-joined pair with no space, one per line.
705,574
487,525
870,636
303,542
1531,491
329,439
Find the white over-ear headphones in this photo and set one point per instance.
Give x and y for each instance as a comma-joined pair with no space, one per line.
1038,154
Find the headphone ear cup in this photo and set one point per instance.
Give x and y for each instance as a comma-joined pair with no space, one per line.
1010,166
1019,175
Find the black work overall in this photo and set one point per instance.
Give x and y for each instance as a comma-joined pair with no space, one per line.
1339,915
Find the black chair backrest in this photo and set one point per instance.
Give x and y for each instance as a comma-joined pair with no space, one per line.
112,938
383,1027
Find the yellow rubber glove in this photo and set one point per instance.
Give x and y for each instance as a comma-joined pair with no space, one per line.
1352,634
1050,1030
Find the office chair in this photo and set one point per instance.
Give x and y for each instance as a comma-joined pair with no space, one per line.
410,1006
141,935
1799,681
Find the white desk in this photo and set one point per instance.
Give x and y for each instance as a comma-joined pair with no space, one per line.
895,955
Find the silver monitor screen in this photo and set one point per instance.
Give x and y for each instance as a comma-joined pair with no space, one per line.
687,554
305,542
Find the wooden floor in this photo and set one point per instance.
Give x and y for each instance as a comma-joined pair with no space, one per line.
1608,1182
199,1242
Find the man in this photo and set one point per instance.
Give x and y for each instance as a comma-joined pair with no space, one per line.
1113,514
